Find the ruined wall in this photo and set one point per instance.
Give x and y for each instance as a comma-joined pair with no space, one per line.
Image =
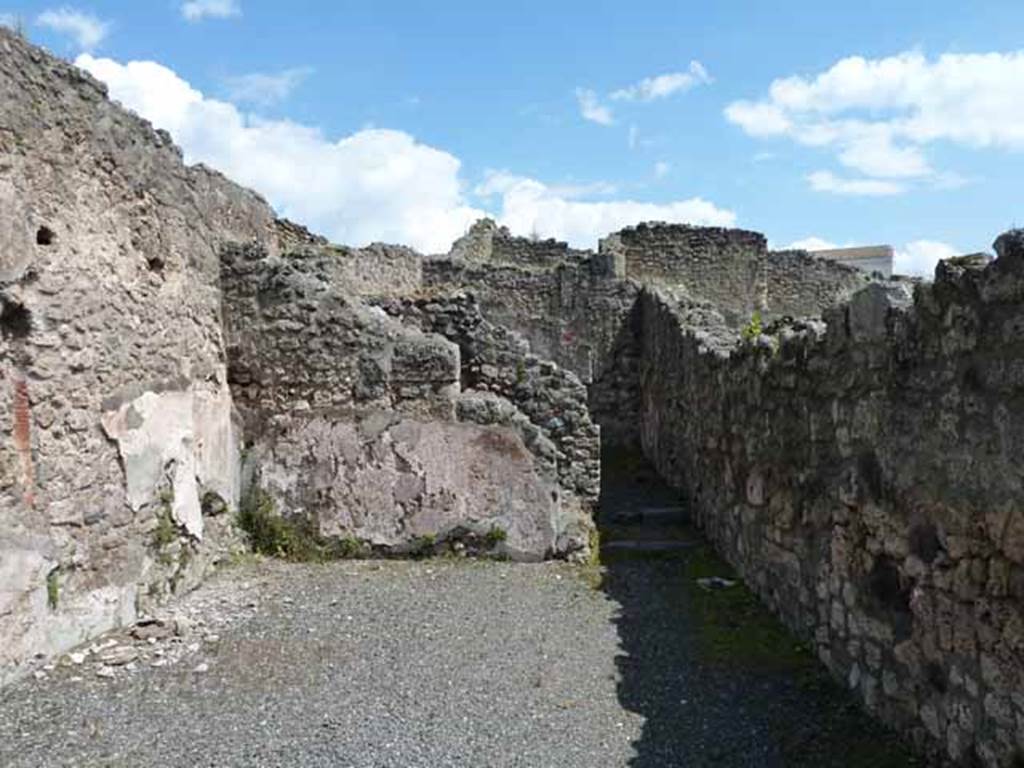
358,423
296,340
498,363
114,409
864,477
722,266
487,243
579,316
377,270
798,284
578,308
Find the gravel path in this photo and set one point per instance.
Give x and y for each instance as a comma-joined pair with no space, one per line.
444,663
440,663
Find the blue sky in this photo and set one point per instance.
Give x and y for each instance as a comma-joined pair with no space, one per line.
405,120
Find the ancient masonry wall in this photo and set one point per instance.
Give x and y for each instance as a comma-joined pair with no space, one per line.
572,314
378,431
377,270
731,270
113,397
579,308
863,474
800,285
497,363
721,266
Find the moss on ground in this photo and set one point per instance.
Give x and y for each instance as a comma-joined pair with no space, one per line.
734,628
732,624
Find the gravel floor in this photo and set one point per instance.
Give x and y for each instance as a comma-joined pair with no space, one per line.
437,663
440,663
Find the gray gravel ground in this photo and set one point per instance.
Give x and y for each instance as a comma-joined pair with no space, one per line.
430,663
457,663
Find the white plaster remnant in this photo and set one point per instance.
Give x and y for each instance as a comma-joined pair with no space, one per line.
185,436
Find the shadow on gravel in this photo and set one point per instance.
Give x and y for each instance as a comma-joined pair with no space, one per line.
717,679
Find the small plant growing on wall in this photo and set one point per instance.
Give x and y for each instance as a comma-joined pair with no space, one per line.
495,536
521,372
270,533
754,328
53,589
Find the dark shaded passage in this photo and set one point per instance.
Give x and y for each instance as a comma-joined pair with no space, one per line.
717,679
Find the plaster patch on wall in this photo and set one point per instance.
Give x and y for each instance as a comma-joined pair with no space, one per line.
186,437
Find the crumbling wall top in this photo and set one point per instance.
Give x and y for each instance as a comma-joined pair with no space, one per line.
486,241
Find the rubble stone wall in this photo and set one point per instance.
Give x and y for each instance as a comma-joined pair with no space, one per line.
498,363
863,474
377,270
798,284
575,315
722,266
114,408
578,308
367,423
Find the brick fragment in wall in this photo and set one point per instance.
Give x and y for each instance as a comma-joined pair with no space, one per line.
23,438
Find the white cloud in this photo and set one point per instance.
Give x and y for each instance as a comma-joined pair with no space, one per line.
811,243
758,119
591,107
826,181
84,29
920,257
662,86
373,185
879,115
530,207
8,20
265,89
196,10
662,169
592,189
873,152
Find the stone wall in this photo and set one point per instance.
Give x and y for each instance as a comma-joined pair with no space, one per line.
113,397
578,308
297,340
375,428
722,266
863,475
574,314
498,363
377,270
798,284
487,243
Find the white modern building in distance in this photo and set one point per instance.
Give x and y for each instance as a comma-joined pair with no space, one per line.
870,258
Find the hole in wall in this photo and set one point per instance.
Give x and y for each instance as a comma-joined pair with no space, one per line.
15,319
871,476
155,263
936,677
888,596
972,380
924,542
45,236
